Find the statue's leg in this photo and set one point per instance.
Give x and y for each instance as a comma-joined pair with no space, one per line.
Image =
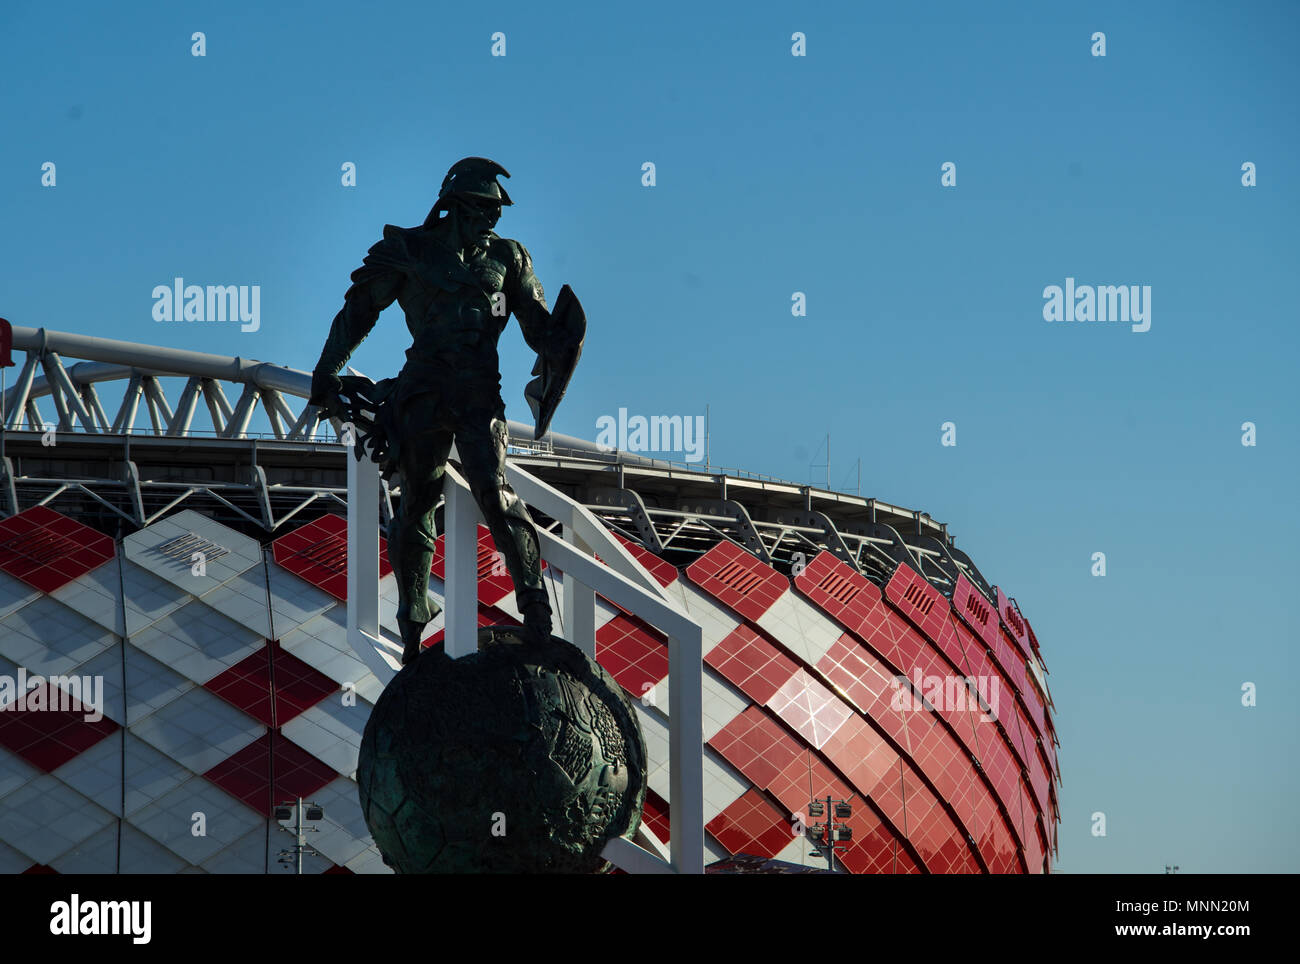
424,449
481,443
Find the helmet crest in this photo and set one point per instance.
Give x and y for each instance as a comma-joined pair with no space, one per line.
471,177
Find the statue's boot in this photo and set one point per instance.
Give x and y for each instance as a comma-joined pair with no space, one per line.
537,621
412,629
537,630
411,632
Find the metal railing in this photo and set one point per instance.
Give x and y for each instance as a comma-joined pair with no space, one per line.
619,578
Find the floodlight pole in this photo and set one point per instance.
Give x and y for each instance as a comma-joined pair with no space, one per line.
299,832
830,828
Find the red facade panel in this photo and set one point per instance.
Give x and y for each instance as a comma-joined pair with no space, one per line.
755,745
664,572
655,815
48,550
634,653
874,849
1014,623
793,775
252,683
810,709
1001,749
262,778
865,681
974,609
494,582
922,604
943,848
738,580
850,597
751,825
47,736
752,664
826,723
318,553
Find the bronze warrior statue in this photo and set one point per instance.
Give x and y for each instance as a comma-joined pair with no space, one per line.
456,280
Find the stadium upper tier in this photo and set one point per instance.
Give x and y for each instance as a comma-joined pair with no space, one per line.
793,518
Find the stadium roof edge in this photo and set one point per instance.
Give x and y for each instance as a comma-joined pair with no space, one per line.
107,359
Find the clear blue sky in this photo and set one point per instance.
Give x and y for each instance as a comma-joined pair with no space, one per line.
778,174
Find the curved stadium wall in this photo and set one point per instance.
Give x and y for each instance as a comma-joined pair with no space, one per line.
851,651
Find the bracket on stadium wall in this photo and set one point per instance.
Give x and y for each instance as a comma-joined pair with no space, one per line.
7,487
607,496
819,524
742,525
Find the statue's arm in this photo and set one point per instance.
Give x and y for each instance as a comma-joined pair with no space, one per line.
375,286
525,298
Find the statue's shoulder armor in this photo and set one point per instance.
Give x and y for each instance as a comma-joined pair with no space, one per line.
391,253
513,254
396,247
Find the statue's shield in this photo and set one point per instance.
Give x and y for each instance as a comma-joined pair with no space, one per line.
556,364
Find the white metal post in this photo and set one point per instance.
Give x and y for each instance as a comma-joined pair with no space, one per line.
685,699
363,547
460,518
579,610
686,754
363,570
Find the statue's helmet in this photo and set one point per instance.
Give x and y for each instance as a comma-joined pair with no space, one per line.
471,177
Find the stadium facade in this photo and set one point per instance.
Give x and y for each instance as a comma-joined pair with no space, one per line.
181,594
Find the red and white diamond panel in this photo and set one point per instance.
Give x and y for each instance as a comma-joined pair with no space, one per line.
787,655
222,718
217,705
192,552
47,550
318,553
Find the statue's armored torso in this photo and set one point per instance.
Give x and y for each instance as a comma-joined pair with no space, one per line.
455,309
